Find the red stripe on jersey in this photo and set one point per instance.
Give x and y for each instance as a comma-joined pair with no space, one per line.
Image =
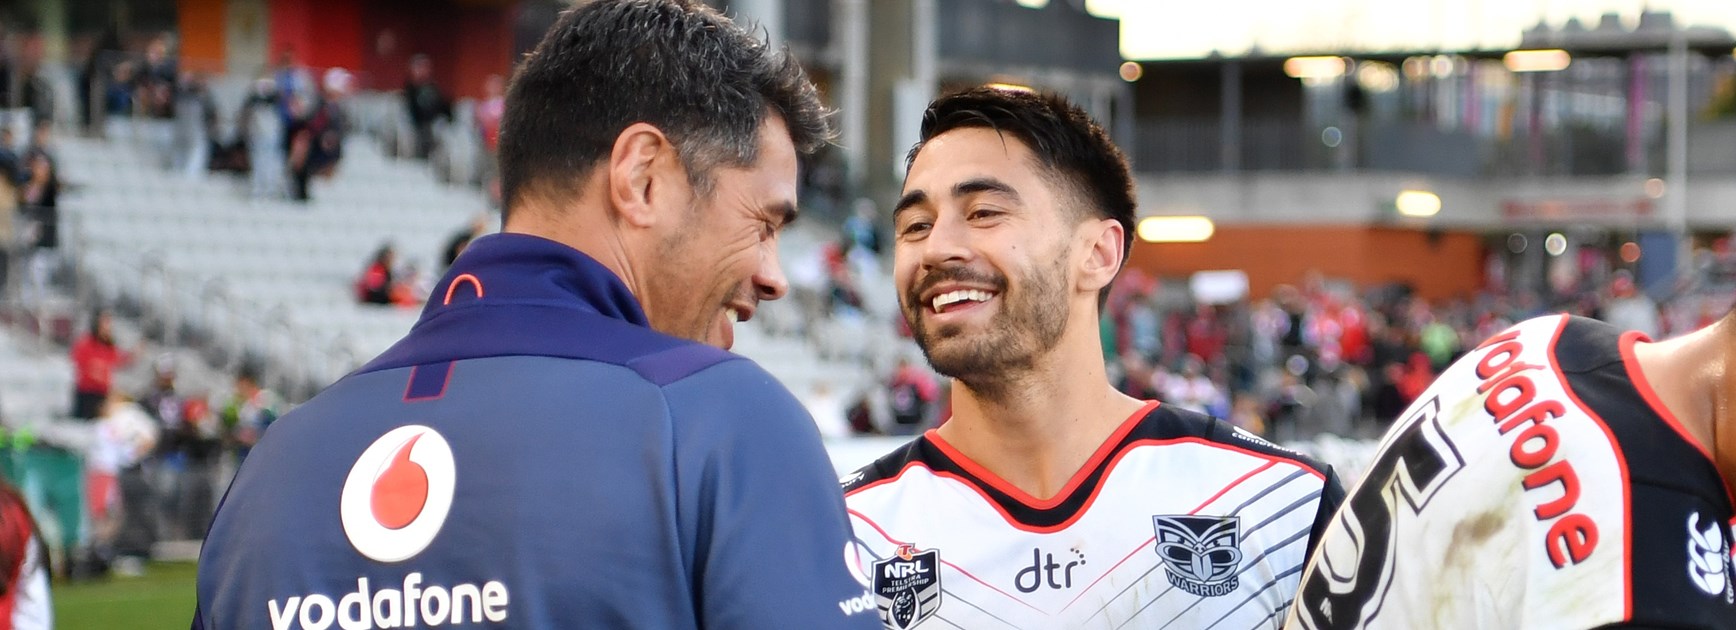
1079,476
1644,385
1086,506
955,567
1627,551
1142,546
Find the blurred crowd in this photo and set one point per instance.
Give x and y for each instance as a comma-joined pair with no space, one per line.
149,463
1331,357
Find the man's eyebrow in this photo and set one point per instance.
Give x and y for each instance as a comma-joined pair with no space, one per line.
909,199
984,184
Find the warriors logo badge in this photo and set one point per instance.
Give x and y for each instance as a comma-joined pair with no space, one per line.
1201,553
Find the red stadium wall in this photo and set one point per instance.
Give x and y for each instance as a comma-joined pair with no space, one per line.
321,33
467,40
1438,266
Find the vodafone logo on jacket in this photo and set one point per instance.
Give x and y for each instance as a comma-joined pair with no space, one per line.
398,494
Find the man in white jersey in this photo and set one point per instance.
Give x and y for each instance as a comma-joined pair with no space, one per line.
1564,474
1051,500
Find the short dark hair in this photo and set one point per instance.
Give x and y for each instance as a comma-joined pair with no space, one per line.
675,64
1066,141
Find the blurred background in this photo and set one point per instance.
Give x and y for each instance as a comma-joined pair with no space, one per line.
211,209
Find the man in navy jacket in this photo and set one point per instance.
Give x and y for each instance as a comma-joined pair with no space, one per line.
563,441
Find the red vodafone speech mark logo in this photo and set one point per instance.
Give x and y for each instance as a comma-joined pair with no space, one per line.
398,493
401,490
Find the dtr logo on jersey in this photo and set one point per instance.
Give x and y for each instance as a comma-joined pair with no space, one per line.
907,587
398,493
1201,553
1707,556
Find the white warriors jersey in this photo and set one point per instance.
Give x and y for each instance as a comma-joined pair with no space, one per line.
1177,520
1537,484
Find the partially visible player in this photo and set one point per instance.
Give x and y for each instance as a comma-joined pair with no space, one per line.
1564,474
1051,500
24,598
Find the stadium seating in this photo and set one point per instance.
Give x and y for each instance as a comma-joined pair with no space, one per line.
263,277
273,279
35,385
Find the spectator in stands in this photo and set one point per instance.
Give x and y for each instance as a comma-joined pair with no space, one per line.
95,357
262,132
1631,309
24,566
1193,390
913,392
11,232
11,165
168,408
155,81
317,140
200,441
250,413
123,436
118,99
488,115
425,104
461,239
828,408
195,125
293,82
378,284
41,142
38,203
861,229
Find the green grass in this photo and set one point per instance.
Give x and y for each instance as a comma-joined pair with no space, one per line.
161,598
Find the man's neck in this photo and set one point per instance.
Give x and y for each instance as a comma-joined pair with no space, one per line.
1694,377
575,227
1036,429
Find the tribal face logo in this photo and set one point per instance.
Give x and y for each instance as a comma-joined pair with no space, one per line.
398,493
907,587
1201,554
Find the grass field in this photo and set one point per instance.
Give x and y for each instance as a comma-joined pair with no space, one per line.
161,599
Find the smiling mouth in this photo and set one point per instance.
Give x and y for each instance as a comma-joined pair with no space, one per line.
958,299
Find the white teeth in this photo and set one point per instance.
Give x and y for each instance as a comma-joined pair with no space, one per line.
953,297
734,316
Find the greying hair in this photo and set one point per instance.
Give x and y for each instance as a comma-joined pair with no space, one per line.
676,64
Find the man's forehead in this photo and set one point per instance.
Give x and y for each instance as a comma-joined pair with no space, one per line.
967,153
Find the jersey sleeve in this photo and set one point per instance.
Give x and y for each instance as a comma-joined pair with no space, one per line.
32,609
1331,497
759,506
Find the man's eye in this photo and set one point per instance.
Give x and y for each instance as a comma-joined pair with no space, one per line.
915,227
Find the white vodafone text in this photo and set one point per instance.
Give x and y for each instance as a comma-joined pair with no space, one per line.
409,607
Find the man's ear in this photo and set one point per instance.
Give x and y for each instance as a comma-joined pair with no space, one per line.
1104,254
638,169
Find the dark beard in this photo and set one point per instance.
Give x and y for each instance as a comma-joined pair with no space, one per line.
1029,325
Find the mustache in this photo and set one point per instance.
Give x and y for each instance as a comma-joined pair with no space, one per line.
953,273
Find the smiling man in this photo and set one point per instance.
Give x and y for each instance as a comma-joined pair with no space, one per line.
562,440
1050,500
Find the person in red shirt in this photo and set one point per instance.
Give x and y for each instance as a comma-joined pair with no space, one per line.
94,360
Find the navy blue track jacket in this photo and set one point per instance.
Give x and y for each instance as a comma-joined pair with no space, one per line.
533,455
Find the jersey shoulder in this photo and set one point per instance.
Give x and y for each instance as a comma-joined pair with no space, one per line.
883,469
1170,423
